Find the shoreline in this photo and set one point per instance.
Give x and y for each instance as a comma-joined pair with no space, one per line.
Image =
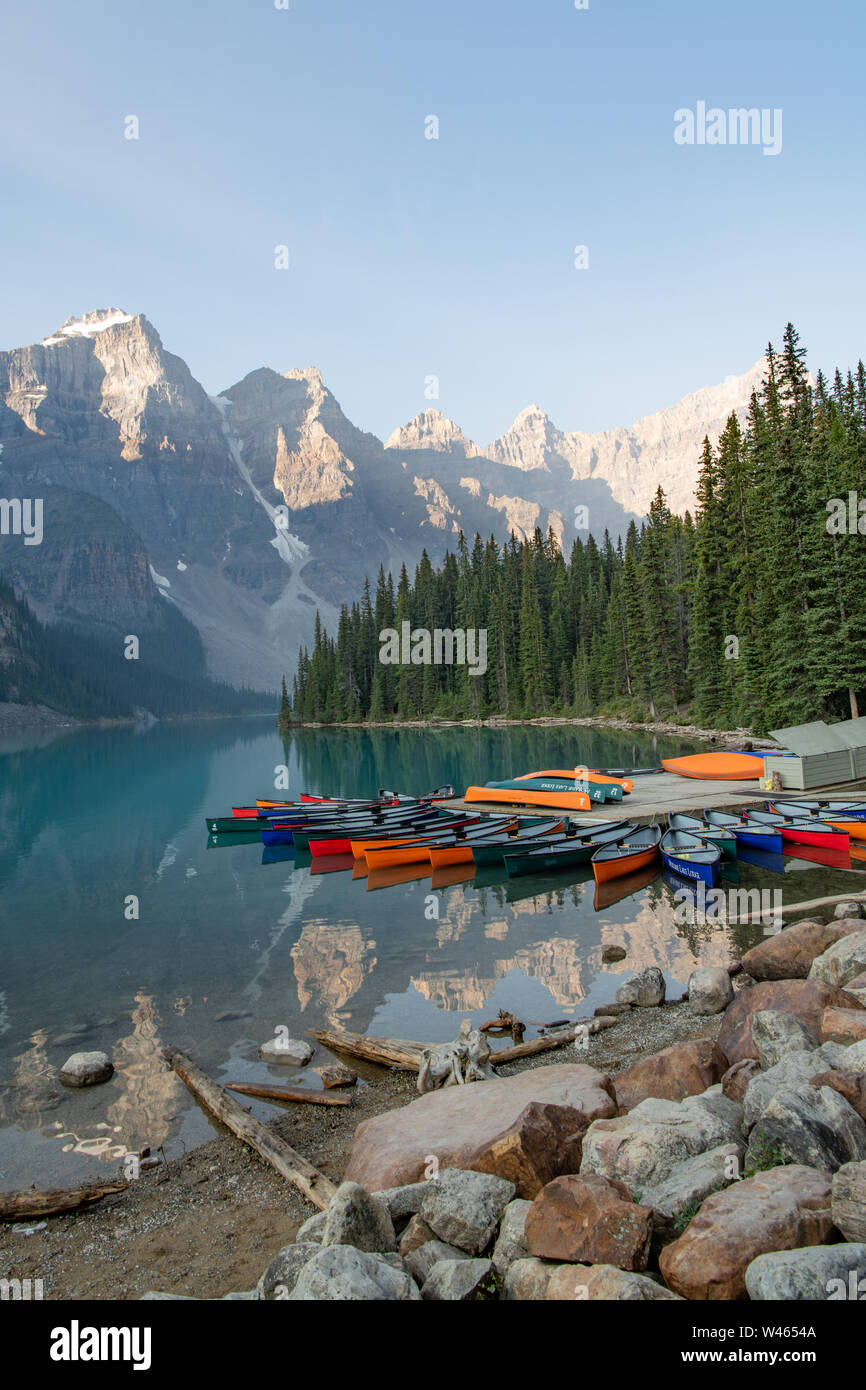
206,1224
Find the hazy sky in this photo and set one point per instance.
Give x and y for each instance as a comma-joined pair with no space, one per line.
412,257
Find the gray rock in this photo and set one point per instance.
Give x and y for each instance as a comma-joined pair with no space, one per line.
456,1281
794,1070
342,1274
526,1280
403,1202
250,1296
281,1274
710,990
811,1125
463,1208
644,1147
841,961
848,910
852,1057
611,954
354,1217
86,1069
816,1273
287,1052
848,1200
424,1258
511,1242
313,1228
776,1035
645,990
690,1182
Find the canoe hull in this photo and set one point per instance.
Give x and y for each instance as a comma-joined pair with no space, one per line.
556,801
606,869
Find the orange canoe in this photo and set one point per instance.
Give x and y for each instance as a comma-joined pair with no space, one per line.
717,767
557,801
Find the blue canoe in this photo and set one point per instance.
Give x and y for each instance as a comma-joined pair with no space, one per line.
690,857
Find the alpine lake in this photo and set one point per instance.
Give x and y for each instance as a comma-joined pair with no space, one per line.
125,926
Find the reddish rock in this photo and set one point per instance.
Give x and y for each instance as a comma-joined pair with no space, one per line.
451,1125
416,1234
789,954
686,1069
544,1142
603,1283
843,1025
851,1085
782,1209
736,1079
590,1220
803,999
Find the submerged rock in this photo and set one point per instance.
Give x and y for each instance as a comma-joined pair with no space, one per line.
86,1069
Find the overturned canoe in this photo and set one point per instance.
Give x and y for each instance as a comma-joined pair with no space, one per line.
716,767
528,796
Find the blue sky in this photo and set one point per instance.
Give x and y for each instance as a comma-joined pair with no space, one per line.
452,257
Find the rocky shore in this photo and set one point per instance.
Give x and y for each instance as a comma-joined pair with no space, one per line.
733,738
708,1148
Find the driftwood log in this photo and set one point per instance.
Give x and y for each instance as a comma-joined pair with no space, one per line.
505,1023
298,1093
407,1055
52,1201
801,907
274,1150
456,1063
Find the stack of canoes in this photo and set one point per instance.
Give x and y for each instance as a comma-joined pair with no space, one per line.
849,816
568,789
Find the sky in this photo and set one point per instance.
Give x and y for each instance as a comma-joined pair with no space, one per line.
413,258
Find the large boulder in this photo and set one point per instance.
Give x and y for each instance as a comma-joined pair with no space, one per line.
511,1242
646,990
526,1280
342,1274
796,1069
464,1208
850,1084
686,1069
806,1000
458,1281
841,962
843,1025
849,1201
86,1069
544,1141
282,1273
643,1148
356,1218
788,955
589,1220
774,1035
604,1283
781,1209
690,1183
710,990
811,1125
817,1273
421,1261
452,1124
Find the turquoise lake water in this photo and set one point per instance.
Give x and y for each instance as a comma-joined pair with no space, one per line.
226,948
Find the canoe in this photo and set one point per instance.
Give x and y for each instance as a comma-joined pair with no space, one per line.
848,808
359,845
528,796
638,851
457,849
805,832
725,840
301,835
487,852
601,775
690,857
747,832
716,767
338,839
855,828
552,858
563,780
415,850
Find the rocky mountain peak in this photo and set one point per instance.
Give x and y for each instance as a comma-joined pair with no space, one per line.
432,430
96,321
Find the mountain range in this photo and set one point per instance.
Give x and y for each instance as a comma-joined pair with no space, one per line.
249,510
